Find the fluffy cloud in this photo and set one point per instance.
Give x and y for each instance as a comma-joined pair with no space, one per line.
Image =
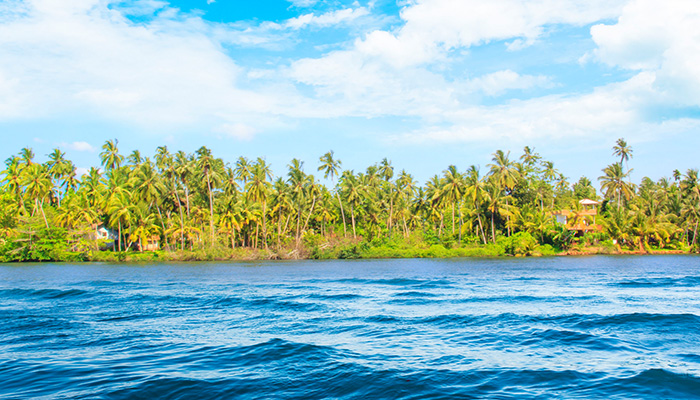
328,19
433,27
58,56
662,38
499,82
78,146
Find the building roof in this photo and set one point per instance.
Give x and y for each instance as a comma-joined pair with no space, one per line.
588,202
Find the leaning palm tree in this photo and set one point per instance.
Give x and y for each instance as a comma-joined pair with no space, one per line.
352,191
37,185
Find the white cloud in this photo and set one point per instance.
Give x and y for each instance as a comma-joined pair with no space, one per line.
237,131
611,110
328,19
81,171
61,57
78,146
433,27
499,82
303,3
662,38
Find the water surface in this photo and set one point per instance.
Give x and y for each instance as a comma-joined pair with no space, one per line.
568,328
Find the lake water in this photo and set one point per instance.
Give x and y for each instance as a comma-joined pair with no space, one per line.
564,328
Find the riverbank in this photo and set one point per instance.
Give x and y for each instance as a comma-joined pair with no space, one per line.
435,251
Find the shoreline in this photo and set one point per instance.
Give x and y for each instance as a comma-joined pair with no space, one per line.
245,255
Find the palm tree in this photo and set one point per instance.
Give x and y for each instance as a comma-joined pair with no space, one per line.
453,189
622,150
168,168
613,184
475,192
243,169
505,175
352,191
144,226
121,210
110,156
58,167
37,185
27,155
207,163
330,167
298,181
135,159
258,188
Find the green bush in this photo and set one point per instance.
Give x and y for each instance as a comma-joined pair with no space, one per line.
520,244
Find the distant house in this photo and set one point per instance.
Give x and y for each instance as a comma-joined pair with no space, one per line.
102,233
581,220
152,244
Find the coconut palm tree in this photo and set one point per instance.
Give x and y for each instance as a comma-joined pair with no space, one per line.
623,150
208,165
57,167
476,193
110,156
37,186
258,188
330,168
453,189
613,184
353,191
121,210
504,173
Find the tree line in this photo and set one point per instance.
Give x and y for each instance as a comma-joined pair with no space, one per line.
190,201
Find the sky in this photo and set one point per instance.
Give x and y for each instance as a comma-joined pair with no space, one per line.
424,83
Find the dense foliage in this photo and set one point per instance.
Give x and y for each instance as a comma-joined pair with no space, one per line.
198,206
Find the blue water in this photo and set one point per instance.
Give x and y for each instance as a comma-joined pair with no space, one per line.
563,328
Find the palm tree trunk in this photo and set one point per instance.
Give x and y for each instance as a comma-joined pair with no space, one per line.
279,226
182,220
453,218
352,213
481,227
119,236
391,214
298,225
211,211
162,224
459,240
41,208
493,229
342,213
313,204
264,224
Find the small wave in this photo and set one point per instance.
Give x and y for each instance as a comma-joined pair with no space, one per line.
334,297
46,293
688,281
651,383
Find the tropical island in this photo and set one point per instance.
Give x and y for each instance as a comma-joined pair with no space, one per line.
179,206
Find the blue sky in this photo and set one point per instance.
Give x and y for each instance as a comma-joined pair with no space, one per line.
425,83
